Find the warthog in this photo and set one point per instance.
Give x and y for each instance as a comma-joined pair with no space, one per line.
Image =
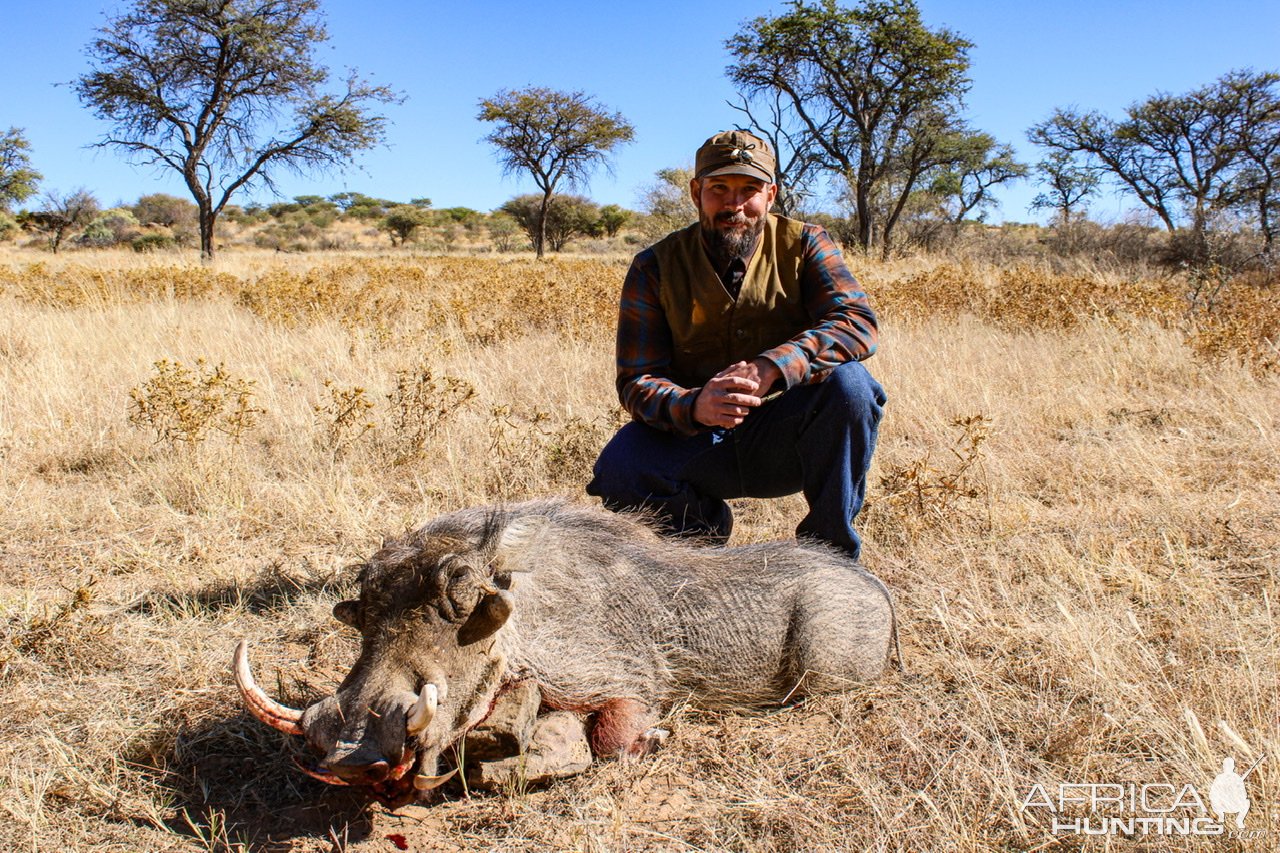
605,616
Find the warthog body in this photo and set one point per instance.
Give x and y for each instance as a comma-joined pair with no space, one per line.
599,611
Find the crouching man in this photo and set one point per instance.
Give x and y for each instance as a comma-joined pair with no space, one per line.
739,342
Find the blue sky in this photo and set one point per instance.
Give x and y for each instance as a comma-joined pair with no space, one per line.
659,63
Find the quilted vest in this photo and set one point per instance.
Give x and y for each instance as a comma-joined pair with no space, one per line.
710,330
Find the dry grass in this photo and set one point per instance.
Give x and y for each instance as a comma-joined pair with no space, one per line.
1076,499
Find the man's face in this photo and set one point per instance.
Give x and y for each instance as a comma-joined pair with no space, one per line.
732,210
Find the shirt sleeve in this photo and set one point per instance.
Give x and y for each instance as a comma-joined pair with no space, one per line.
844,326
645,354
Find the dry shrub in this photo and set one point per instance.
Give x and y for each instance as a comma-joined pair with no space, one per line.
573,449
1027,298
343,418
420,404
79,284
1033,298
531,451
36,634
924,494
944,291
517,436
181,405
1222,316
1241,323
488,299
355,294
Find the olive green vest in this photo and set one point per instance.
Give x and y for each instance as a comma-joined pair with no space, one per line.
710,330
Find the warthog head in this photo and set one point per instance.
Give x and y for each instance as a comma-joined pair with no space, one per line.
430,665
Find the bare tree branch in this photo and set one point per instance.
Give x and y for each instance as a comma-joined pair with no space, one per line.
224,93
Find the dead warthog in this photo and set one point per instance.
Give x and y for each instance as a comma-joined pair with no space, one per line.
601,613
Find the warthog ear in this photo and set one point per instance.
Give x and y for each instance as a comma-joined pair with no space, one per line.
489,615
348,613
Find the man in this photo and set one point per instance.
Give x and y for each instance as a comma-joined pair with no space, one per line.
739,339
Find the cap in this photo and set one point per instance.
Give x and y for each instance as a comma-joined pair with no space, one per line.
735,152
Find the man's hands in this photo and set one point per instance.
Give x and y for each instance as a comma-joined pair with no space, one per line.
730,395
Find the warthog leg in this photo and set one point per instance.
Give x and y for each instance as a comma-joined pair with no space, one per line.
625,726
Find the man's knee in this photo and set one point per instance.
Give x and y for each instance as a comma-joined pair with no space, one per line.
642,468
853,387
618,467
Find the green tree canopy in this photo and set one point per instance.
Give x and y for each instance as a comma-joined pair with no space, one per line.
18,181
402,221
872,90
666,202
975,164
1067,186
163,209
565,217
225,92
613,218
362,206
558,138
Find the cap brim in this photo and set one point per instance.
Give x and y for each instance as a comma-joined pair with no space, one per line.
741,169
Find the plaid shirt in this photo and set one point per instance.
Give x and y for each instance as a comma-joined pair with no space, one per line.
843,330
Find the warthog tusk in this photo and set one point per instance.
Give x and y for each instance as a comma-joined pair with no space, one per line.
426,783
423,710
323,775
262,706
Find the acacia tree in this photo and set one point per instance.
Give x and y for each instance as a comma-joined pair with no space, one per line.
402,221
1067,185
666,202
60,214
1185,157
1259,140
613,218
978,164
559,138
163,209
960,167
225,92
868,86
18,180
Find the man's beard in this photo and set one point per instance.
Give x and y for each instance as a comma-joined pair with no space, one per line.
725,245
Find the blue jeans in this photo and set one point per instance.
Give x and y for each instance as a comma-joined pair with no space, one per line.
816,439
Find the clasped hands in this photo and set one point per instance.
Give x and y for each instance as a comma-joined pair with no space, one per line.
729,396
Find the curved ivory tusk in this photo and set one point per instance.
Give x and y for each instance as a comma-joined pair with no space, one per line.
262,706
426,783
323,775
423,710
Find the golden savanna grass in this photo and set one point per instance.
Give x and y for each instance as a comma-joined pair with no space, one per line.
1076,500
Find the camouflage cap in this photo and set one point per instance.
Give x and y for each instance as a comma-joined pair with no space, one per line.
735,152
